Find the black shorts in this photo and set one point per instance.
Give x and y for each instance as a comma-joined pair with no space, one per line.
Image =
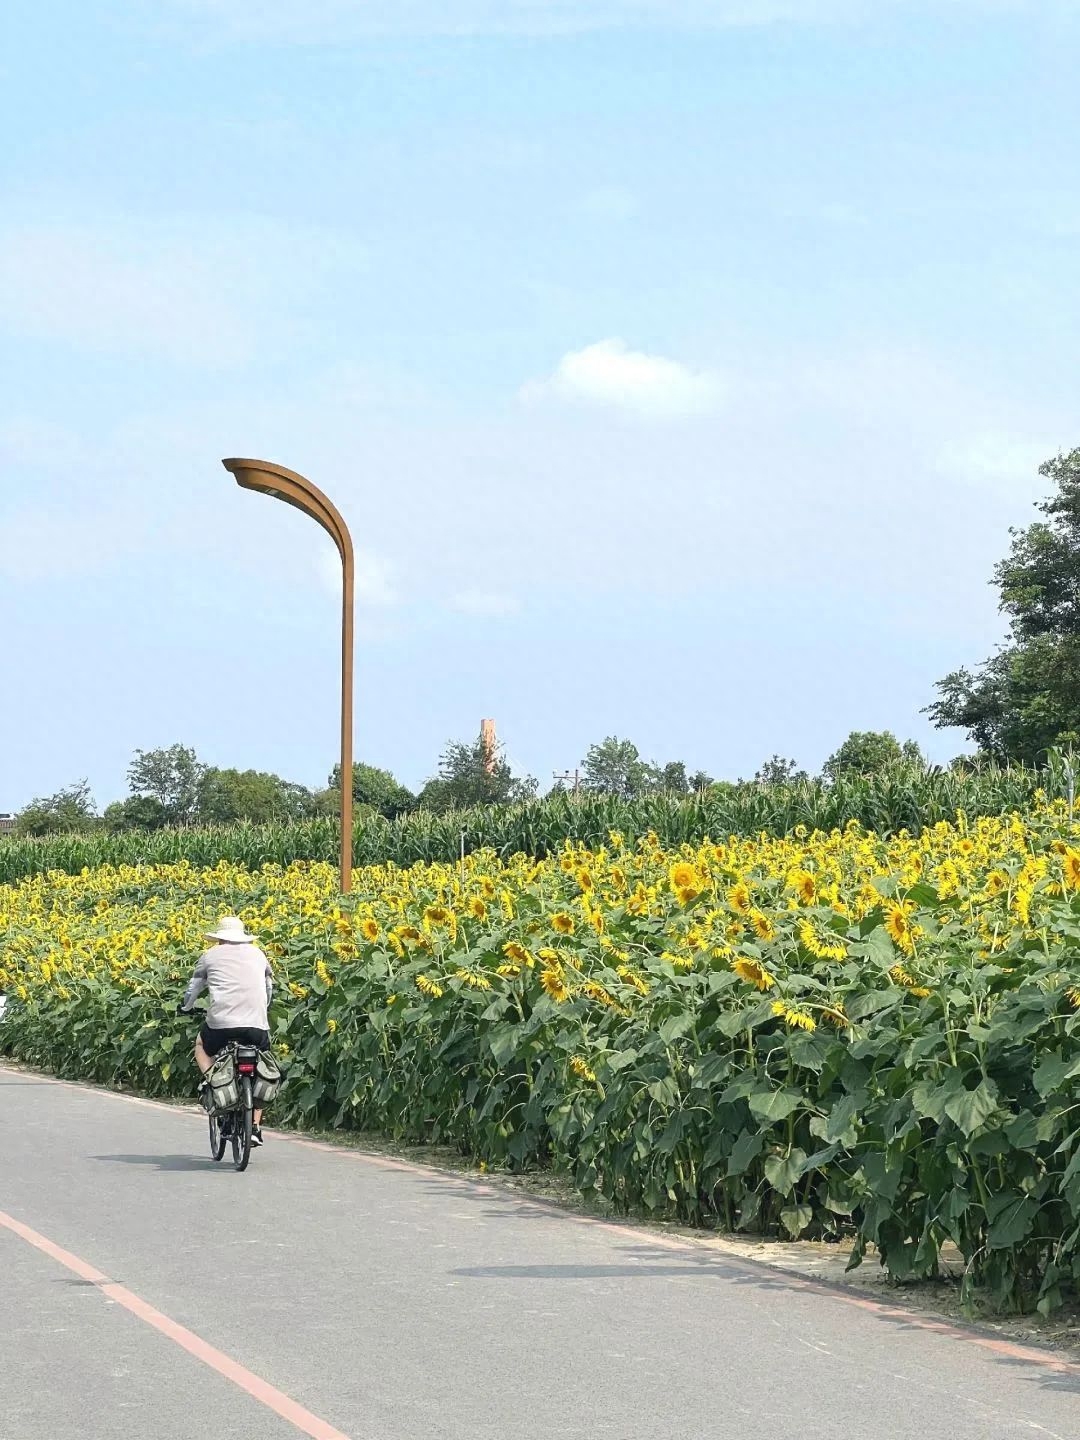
214,1041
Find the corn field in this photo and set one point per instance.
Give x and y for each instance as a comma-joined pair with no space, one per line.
901,799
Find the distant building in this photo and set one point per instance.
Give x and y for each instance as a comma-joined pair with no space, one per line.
7,824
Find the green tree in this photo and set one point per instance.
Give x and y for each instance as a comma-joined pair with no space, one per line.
866,752
69,810
137,812
377,789
779,771
1025,699
615,767
700,781
671,778
171,776
469,776
255,795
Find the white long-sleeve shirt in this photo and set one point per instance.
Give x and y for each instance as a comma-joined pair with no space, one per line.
240,982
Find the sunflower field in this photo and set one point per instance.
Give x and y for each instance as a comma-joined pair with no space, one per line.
830,1034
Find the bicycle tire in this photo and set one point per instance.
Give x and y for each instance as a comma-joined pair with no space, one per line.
242,1122
218,1141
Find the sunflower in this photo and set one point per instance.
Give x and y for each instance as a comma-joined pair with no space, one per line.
438,915
821,943
754,973
429,987
899,927
633,978
553,982
584,879
1070,866
562,923
369,929
683,876
764,929
1073,997
738,897
516,952
472,978
477,909
796,1019
601,996
804,885
581,1069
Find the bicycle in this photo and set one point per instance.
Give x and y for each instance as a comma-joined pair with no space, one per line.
235,1123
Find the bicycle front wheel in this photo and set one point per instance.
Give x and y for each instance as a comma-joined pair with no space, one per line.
241,1129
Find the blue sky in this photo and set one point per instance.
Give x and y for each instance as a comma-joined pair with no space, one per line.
679,365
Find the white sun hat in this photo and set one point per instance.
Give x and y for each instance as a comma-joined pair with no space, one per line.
230,927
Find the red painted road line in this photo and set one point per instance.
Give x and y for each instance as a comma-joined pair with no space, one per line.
260,1390
794,1281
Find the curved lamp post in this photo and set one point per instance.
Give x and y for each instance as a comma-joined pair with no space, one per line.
282,484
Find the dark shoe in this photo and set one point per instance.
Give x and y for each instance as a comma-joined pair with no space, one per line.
256,1135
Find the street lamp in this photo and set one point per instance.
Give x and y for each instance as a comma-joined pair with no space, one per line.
282,484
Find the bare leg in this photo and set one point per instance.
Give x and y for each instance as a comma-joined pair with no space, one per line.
202,1059
256,1119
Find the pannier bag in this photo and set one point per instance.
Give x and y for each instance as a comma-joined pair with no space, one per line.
268,1078
224,1084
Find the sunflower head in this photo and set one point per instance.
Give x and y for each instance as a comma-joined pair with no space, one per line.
754,973
554,984
738,898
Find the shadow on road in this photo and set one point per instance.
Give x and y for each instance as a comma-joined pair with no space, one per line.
161,1162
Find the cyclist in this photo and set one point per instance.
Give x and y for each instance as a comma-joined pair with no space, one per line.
239,979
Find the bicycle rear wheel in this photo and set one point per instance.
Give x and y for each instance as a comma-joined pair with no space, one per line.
218,1138
241,1127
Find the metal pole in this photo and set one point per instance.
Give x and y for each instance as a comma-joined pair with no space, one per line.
294,489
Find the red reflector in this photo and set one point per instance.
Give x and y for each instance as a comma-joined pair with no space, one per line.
247,1069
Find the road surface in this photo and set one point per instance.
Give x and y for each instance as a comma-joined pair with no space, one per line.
146,1291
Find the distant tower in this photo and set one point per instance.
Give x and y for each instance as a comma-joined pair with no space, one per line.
487,744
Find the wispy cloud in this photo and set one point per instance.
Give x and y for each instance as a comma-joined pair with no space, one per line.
612,375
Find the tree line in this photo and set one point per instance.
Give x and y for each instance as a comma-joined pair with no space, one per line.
171,787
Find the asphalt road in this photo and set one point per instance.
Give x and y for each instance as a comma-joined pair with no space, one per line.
386,1302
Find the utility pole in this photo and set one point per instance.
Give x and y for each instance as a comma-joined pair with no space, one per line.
568,775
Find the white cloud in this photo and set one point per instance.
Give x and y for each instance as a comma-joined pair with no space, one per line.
485,604
610,374
342,21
